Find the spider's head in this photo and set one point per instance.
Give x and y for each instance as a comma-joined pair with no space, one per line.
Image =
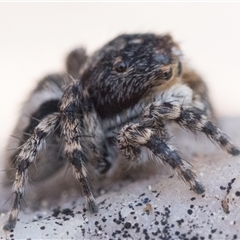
128,68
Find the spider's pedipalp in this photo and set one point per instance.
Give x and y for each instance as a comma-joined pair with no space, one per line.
135,136
26,156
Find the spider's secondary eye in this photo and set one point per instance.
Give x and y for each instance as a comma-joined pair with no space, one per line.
120,67
179,68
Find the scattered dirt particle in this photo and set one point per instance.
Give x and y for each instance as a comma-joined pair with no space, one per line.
189,211
225,206
127,225
237,193
148,209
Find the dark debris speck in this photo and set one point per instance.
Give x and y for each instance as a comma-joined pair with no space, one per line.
230,185
116,221
127,225
180,222
145,200
237,193
189,211
67,211
56,212
222,188
66,218
194,238
213,230
58,223
157,195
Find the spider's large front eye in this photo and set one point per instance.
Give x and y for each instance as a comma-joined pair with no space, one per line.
120,67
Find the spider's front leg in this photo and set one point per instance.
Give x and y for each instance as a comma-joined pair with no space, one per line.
133,139
190,118
83,137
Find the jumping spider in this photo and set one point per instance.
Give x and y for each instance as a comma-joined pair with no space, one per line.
118,107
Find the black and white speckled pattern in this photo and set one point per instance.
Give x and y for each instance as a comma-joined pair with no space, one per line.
159,207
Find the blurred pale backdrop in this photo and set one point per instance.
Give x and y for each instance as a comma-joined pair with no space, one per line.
35,38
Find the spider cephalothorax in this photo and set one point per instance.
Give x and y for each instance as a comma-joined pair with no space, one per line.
129,68
118,106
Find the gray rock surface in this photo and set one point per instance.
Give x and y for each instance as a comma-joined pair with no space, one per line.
148,205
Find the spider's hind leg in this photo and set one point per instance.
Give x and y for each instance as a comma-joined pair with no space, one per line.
26,156
43,101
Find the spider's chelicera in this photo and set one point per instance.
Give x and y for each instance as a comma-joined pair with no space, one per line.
118,106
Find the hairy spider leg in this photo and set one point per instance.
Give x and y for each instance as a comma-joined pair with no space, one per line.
193,119
133,137
26,156
82,136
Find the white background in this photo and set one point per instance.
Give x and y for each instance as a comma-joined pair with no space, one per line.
35,38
